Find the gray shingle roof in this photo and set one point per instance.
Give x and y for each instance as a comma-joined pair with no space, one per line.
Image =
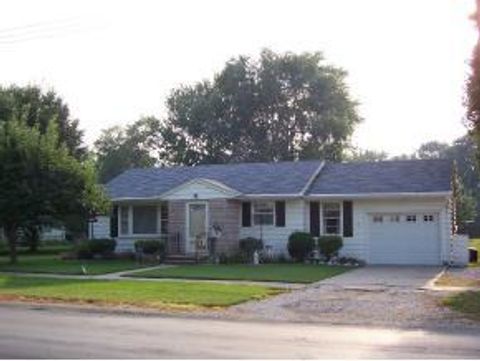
384,177
292,177
247,178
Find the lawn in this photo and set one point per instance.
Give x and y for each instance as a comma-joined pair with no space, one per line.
143,294
299,273
53,264
465,302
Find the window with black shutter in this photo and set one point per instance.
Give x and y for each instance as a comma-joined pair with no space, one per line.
348,219
114,222
246,214
315,219
280,213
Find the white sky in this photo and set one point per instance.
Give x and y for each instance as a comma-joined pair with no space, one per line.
114,61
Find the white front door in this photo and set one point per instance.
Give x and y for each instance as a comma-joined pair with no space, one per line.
196,227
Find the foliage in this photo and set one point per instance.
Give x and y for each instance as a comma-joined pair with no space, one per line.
233,258
280,107
40,179
150,246
361,155
287,272
249,245
330,245
38,109
300,244
119,149
87,249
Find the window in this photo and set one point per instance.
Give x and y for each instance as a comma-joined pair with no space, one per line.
411,218
428,218
394,218
377,218
331,218
124,229
144,219
164,218
263,213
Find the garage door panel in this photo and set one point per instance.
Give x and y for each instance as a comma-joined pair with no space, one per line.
404,242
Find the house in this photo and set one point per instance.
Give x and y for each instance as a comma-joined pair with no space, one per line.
389,212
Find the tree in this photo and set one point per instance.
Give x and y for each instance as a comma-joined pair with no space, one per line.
280,107
40,179
119,149
432,150
365,155
38,108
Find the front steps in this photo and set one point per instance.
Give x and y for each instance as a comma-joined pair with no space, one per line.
180,259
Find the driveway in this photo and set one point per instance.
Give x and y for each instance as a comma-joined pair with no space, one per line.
375,296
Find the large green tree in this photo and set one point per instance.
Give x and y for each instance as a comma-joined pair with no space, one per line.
40,179
38,108
121,148
279,107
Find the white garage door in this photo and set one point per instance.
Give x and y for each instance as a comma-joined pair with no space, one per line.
411,238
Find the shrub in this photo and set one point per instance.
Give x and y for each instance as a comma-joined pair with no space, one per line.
150,246
235,258
300,244
249,245
95,247
330,245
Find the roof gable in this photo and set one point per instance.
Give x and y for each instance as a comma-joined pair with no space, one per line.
200,188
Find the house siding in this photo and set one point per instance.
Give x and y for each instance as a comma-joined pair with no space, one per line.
277,237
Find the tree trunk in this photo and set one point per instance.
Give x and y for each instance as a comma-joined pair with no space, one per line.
33,237
11,233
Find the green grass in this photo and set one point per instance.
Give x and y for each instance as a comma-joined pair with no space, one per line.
42,250
475,242
466,302
300,273
53,264
143,294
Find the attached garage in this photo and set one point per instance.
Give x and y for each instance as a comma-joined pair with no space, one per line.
404,238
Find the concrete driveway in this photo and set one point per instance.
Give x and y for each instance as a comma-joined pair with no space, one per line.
375,296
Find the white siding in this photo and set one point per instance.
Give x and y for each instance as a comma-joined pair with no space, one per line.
202,191
277,237
99,229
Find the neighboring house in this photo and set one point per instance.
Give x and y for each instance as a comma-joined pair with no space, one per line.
47,233
391,212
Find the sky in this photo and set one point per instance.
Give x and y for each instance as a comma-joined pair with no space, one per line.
115,61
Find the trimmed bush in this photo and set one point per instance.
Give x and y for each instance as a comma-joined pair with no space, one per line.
150,246
300,244
249,245
330,245
95,247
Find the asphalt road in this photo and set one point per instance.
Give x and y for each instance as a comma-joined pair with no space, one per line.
26,332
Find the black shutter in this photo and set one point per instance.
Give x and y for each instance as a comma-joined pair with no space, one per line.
348,219
280,213
246,214
114,222
315,219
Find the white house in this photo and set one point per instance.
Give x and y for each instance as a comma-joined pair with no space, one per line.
391,212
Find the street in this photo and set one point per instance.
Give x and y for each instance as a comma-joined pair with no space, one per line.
28,332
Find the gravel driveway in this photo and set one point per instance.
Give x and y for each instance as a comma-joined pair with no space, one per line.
377,296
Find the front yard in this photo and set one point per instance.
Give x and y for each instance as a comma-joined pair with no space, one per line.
120,293
467,303
288,272
54,264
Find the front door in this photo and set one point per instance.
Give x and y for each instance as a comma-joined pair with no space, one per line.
196,227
